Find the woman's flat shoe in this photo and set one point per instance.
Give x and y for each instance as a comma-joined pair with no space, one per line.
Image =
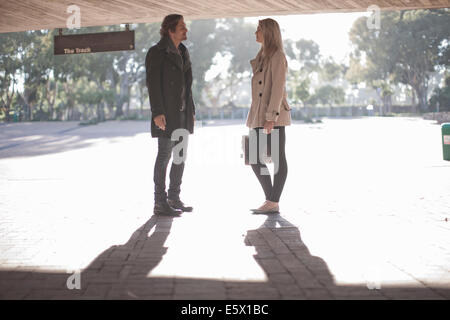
264,205
273,210
267,208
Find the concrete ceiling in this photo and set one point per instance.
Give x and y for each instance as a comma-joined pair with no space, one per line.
50,14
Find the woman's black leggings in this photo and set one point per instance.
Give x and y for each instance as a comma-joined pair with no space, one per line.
272,192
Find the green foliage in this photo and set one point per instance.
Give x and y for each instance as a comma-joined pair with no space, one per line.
441,96
356,72
306,53
57,86
203,44
408,48
328,95
101,85
36,85
298,87
331,70
236,42
10,64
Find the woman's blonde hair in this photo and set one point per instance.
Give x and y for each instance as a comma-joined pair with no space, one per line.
272,40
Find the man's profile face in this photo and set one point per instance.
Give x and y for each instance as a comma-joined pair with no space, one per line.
180,31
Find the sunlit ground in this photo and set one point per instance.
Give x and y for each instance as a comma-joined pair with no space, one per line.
369,196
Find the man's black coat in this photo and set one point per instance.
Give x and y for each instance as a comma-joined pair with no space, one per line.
166,76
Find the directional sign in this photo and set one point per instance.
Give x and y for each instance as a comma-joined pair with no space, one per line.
94,42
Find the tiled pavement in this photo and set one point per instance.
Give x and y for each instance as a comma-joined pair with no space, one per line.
364,215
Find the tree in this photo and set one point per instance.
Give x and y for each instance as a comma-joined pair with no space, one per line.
10,65
236,42
146,36
327,95
298,88
441,97
356,72
36,68
306,54
203,44
240,43
331,71
409,47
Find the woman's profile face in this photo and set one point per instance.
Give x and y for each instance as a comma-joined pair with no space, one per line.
258,33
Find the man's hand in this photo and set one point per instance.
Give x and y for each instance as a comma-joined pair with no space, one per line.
160,121
268,126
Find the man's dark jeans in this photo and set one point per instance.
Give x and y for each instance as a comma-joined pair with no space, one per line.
165,150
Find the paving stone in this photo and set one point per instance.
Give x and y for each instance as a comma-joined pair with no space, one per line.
97,290
318,294
199,296
109,269
46,294
293,297
411,294
271,266
268,295
162,297
290,262
281,278
274,242
181,290
289,289
307,282
264,254
443,292
14,295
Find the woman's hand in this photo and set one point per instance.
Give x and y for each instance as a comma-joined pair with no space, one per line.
268,126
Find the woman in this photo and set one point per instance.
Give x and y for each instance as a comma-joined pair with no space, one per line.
269,110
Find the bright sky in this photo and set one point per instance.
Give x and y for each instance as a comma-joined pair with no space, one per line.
328,30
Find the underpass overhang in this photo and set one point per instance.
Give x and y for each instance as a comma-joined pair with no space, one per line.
16,16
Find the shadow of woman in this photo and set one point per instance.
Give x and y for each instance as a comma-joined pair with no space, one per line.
121,272
287,262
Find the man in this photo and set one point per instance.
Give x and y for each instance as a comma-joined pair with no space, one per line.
169,81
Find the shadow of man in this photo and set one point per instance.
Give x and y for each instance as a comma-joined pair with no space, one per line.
287,262
121,272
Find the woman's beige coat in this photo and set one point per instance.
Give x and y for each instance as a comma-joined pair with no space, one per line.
269,92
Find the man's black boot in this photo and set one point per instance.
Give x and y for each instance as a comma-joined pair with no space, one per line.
164,209
178,204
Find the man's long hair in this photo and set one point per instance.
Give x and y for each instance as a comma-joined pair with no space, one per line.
272,40
169,23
